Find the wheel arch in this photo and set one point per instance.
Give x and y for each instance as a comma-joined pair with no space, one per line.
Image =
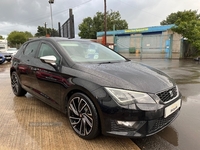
11,70
89,95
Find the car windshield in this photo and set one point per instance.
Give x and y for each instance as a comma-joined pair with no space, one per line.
86,51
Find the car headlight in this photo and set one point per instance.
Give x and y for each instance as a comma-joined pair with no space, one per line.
126,97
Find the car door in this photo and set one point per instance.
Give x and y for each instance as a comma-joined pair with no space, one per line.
25,66
47,76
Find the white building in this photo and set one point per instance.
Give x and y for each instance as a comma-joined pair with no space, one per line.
3,45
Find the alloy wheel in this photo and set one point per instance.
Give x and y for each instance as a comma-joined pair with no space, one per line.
16,86
80,116
15,83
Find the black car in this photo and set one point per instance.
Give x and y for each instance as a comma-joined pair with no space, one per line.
98,89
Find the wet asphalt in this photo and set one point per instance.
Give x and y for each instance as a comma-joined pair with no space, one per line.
184,132
27,123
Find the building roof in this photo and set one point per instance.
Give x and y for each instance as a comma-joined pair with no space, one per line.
137,30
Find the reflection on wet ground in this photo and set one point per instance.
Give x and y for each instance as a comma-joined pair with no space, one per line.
184,132
27,123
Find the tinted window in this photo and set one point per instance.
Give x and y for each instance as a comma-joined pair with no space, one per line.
31,48
47,50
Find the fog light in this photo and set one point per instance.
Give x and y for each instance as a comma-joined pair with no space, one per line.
126,123
131,124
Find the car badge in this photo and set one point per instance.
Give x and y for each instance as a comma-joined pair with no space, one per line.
171,93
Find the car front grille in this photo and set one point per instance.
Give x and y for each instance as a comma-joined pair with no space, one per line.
161,123
8,55
168,95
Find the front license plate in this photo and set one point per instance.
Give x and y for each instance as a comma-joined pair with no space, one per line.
172,108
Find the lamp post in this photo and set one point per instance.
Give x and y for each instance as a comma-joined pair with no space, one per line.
51,2
105,23
45,26
114,36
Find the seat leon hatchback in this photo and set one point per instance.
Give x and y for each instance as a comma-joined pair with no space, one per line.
100,91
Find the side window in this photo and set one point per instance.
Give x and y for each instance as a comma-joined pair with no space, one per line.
31,48
47,50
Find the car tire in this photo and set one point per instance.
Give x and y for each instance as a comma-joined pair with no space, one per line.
16,86
83,116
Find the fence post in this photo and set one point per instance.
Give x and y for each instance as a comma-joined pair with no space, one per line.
141,51
171,44
181,48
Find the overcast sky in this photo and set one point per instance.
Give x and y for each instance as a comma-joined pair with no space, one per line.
27,15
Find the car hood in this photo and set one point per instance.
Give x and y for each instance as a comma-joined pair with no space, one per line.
4,53
128,75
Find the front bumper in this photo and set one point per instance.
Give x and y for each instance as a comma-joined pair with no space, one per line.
8,57
144,128
146,122
2,59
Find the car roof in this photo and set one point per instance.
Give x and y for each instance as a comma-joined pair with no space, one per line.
59,39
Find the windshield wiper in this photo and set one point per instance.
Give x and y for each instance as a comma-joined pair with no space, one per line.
106,62
109,62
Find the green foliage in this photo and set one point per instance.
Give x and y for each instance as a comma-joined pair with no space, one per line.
187,23
28,35
90,26
87,29
1,37
18,37
42,31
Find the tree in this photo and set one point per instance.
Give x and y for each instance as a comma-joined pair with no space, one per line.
187,23
1,37
18,37
87,28
90,26
42,31
186,15
28,35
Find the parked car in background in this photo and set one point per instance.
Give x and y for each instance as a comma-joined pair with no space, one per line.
2,58
99,90
12,51
5,57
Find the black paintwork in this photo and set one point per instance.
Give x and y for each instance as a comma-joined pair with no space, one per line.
128,75
55,86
